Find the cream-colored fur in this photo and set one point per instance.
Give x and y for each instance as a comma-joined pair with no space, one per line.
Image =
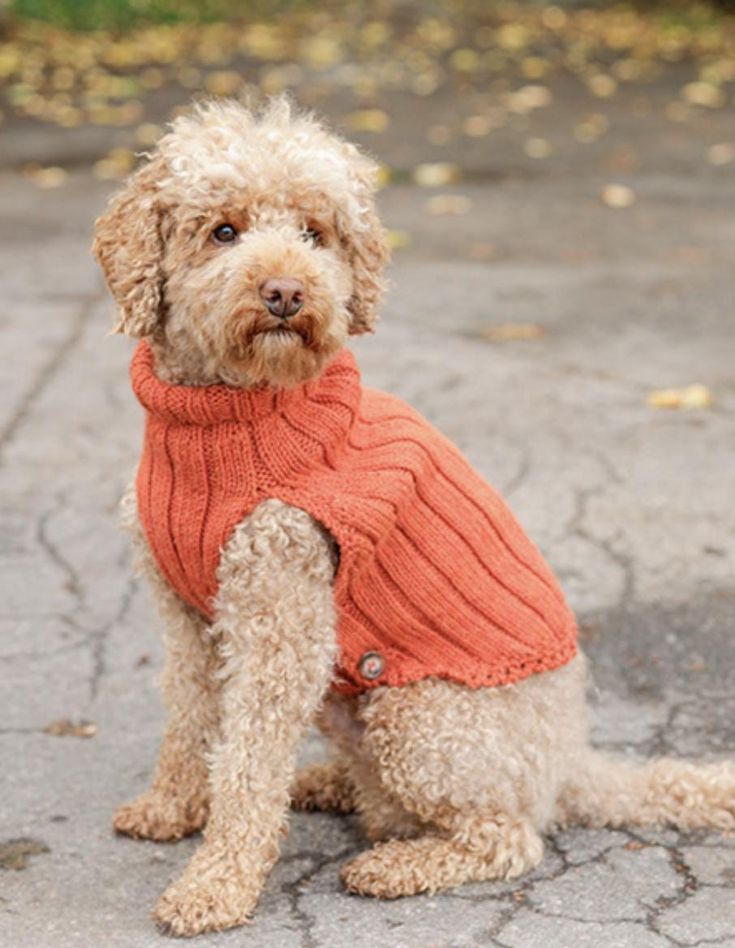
451,784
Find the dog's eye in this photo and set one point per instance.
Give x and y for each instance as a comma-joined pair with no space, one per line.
224,234
313,236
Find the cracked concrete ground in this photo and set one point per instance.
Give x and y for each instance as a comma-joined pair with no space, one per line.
632,506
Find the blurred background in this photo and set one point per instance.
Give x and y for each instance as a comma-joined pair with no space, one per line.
439,91
558,182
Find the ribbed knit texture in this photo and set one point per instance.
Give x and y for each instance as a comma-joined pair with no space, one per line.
435,573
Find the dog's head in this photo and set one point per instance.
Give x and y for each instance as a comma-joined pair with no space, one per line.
247,248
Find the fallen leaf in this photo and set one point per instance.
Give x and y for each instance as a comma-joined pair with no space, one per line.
477,126
383,176
528,98
602,85
591,128
115,165
321,51
634,846
436,174
397,239
513,332
223,82
448,204
704,94
464,60
426,83
375,33
513,36
263,41
617,196
483,251
534,67
721,154
554,17
51,177
14,853
628,69
690,396
537,148
67,728
368,120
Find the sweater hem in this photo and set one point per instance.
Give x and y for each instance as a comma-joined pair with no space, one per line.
509,674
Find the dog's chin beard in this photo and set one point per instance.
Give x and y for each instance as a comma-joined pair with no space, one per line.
282,335
280,356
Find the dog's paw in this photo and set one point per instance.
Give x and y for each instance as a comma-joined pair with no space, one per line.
163,819
322,787
374,874
206,898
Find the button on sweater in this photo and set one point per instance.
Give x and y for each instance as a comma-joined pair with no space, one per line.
435,575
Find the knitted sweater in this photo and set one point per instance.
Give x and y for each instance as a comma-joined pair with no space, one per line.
435,575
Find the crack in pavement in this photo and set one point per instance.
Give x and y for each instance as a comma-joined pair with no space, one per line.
576,527
48,372
99,637
73,582
293,889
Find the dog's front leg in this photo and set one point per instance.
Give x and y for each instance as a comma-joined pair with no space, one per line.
275,625
177,801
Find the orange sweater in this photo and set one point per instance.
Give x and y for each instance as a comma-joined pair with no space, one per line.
435,575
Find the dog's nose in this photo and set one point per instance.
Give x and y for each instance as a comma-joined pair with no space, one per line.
283,296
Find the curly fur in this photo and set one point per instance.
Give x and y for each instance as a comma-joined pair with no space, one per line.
450,784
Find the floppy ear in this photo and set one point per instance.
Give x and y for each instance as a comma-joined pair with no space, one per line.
366,241
128,247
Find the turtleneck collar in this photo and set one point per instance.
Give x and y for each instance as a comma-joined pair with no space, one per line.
338,386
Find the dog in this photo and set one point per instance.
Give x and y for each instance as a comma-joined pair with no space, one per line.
393,599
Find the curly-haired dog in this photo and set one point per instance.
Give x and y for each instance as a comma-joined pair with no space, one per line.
317,551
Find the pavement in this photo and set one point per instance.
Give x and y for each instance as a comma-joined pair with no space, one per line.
632,505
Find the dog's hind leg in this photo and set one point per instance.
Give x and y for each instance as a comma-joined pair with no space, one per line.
479,849
477,770
177,802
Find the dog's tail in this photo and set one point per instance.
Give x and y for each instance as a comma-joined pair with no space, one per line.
608,792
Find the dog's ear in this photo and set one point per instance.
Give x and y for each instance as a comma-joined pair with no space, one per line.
365,238
128,247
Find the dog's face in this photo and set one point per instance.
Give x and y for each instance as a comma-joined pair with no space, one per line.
247,249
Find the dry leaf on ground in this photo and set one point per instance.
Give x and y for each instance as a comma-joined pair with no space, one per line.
513,332
537,148
704,94
448,204
14,853
64,727
368,120
483,251
721,154
51,177
690,396
397,239
436,174
116,164
617,196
